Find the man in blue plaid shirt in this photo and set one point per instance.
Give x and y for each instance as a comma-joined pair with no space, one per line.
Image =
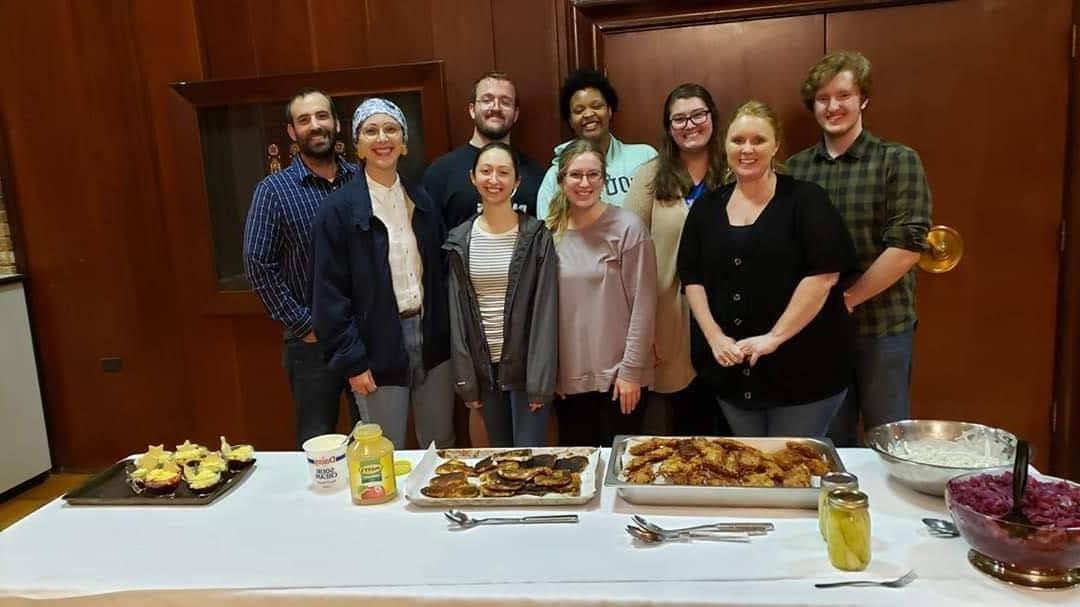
277,245
881,191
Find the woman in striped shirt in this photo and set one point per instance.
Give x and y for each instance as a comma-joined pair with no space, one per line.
504,307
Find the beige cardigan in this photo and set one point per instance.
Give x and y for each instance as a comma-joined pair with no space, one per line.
665,221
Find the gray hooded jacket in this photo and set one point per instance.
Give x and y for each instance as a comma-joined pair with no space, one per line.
530,349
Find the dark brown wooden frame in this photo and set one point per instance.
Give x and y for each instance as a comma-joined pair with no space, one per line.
586,22
1065,427
426,78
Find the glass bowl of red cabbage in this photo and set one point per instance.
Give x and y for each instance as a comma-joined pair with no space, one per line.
1050,546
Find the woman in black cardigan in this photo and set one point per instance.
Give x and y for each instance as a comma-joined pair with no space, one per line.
762,262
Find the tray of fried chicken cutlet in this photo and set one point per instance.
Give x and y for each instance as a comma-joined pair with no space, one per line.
540,476
772,472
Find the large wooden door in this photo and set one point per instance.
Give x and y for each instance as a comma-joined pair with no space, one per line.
980,90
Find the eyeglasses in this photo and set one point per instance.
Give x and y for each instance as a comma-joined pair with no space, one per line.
681,121
591,176
489,102
372,131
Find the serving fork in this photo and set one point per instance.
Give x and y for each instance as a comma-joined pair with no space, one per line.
899,582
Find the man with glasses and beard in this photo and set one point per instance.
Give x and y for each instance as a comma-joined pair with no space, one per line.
277,245
494,110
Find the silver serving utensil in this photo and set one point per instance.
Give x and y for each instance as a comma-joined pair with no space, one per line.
465,521
748,528
650,537
941,528
899,582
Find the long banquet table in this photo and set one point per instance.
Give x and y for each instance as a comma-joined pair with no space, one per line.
274,541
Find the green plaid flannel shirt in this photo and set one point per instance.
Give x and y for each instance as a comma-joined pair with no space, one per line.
880,189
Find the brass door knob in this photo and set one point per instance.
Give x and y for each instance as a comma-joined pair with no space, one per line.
946,249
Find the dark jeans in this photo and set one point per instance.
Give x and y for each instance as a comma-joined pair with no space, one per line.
808,419
316,391
592,419
508,420
880,388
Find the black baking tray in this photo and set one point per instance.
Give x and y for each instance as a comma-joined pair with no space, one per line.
110,488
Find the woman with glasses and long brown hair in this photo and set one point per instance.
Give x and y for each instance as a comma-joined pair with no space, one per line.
607,304
690,164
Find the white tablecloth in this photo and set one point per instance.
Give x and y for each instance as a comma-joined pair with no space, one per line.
272,539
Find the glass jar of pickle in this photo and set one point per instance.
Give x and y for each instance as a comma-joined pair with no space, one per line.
848,533
832,480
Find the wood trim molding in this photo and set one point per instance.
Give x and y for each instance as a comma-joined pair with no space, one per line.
588,21
427,78
1065,427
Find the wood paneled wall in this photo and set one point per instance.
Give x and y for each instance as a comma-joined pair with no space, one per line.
85,105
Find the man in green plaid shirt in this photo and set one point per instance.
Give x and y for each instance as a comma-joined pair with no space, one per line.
880,189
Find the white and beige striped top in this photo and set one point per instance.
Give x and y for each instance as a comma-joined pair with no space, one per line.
489,271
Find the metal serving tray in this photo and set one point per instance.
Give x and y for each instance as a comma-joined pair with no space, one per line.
691,495
110,488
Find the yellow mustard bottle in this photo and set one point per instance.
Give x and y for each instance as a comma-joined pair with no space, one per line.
371,466
848,533
832,480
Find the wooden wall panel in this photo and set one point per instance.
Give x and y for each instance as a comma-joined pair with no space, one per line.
339,33
762,59
210,394
282,33
399,31
225,38
462,37
994,157
99,271
528,55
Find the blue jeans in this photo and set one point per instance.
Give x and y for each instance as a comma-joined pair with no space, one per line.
508,420
315,390
880,389
430,392
810,419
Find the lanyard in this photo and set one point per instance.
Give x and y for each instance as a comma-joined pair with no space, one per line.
696,192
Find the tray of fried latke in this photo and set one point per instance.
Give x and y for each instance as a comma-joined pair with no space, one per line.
538,476
773,472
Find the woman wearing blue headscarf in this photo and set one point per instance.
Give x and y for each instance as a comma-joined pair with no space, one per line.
379,301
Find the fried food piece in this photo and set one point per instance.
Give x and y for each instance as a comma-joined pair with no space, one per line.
676,470
446,480
813,459
488,491
556,478
513,455
507,467
636,463
686,449
454,465
436,492
543,460
534,489
519,474
465,490
574,463
485,465
749,461
650,444
799,476
643,475
657,454
758,480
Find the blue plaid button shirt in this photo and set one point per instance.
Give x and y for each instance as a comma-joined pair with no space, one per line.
277,239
